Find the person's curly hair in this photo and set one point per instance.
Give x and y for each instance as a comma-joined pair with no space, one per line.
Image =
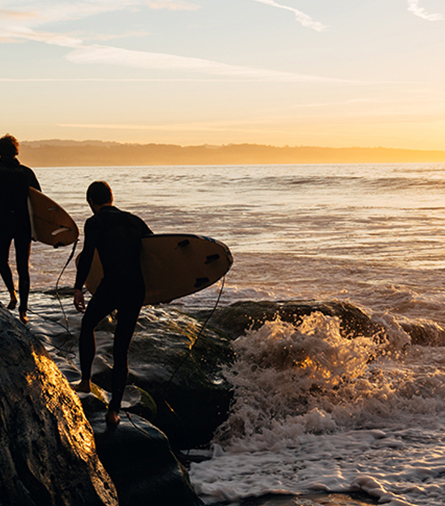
9,146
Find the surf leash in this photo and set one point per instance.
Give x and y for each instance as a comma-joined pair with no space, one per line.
201,330
66,327
73,250
189,354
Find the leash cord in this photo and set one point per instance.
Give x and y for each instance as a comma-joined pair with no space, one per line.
57,286
201,330
66,327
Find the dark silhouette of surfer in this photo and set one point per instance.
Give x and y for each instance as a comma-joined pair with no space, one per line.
15,225
117,237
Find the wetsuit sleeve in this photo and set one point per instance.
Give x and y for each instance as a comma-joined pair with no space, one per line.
86,256
145,230
31,178
34,182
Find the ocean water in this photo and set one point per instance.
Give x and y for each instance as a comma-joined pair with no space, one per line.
313,412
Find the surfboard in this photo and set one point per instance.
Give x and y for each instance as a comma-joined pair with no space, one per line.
50,223
174,265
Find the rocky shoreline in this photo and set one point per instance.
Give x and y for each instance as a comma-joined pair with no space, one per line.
51,454
57,450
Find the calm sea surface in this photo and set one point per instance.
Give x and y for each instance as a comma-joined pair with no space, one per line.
372,235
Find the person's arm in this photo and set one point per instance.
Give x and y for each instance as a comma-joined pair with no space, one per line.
34,183
145,230
79,300
32,179
83,267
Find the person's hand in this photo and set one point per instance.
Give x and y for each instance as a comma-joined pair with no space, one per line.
79,301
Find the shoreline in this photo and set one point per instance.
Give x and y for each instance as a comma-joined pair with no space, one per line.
53,153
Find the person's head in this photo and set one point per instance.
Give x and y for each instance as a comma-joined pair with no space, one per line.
9,146
99,194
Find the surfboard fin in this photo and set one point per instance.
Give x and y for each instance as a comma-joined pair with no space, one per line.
183,244
201,282
60,230
212,258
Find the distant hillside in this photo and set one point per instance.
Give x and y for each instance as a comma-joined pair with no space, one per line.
55,153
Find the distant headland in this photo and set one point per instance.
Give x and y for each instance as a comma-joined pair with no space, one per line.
58,153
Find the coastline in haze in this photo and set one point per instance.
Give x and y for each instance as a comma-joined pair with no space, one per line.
58,153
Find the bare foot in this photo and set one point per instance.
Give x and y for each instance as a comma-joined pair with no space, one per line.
13,302
83,386
112,418
23,317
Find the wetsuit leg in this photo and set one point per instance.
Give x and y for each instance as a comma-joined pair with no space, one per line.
101,305
127,316
22,245
5,270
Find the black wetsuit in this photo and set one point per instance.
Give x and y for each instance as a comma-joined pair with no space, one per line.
117,237
15,180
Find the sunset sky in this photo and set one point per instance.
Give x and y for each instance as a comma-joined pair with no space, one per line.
283,72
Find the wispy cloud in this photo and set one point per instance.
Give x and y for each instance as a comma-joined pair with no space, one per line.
243,127
7,14
55,39
41,13
82,53
106,55
106,36
24,19
172,5
302,18
118,126
414,7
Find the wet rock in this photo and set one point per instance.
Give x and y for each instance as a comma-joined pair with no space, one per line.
47,449
424,333
235,319
138,457
240,316
321,499
179,364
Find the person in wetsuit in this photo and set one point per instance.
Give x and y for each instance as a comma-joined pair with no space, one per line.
117,237
15,225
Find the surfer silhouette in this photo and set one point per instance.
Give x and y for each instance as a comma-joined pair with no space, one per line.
15,225
117,237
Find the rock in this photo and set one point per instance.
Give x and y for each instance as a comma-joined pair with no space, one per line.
49,454
141,463
235,319
424,333
179,365
47,448
315,499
